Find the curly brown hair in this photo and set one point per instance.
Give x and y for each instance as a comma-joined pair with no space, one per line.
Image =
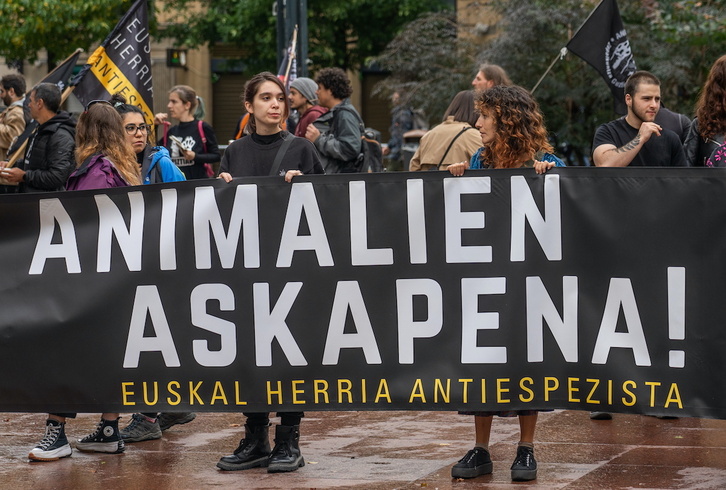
335,80
100,130
711,105
520,128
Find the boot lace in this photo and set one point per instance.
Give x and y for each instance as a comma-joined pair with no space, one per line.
51,435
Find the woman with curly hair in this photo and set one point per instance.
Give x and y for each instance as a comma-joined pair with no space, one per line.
708,128
103,156
513,133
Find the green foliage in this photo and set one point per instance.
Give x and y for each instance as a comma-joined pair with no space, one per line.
429,64
59,26
343,34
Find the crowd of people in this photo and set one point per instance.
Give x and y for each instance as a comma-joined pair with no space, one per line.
496,125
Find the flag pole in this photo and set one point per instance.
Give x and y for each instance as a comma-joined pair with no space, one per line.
563,52
559,56
293,47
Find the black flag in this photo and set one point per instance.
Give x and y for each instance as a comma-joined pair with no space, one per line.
602,41
59,76
121,64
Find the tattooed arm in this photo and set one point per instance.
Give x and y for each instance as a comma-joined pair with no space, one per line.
608,155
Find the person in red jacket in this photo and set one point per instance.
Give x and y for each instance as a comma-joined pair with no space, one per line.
305,101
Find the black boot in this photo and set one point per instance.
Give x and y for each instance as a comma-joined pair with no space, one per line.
286,454
253,451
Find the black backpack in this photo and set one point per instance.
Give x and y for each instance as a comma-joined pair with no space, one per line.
371,153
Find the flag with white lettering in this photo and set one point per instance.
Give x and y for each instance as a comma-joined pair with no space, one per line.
602,41
121,64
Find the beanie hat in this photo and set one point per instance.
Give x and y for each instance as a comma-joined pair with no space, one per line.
307,88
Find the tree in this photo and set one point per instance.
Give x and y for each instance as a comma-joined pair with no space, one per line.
58,26
429,64
344,34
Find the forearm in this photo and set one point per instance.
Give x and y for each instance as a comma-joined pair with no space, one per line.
618,157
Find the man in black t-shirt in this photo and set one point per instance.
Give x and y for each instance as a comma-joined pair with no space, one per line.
636,140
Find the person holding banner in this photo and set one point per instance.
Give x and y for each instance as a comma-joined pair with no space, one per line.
104,159
268,150
155,164
514,136
49,155
709,127
192,143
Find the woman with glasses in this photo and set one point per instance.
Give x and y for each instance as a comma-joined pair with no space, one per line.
156,166
191,143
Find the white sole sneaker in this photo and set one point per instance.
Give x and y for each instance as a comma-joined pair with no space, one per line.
113,447
37,454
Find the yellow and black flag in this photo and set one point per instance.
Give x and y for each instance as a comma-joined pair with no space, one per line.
122,63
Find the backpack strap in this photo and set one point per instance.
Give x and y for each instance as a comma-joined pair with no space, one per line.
202,135
287,139
463,130
165,138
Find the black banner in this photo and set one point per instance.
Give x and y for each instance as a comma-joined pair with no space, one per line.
594,289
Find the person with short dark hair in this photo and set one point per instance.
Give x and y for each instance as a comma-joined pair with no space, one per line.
49,155
12,119
339,142
636,139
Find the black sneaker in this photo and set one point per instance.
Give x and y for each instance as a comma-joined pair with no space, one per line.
524,467
105,439
476,462
54,444
167,420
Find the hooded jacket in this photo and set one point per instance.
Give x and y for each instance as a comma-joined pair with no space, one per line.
157,167
12,123
49,159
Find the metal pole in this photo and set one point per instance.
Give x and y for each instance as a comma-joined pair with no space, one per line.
302,60
281,37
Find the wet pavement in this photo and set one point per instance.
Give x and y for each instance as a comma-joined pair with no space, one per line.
385,450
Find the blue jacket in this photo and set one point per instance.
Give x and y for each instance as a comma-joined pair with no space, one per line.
157,167
476,163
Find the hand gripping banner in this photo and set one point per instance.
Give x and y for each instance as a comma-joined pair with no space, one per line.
593,289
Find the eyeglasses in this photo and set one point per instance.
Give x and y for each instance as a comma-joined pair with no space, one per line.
88,106
132,128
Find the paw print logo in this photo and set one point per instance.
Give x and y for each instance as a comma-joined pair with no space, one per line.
188,143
